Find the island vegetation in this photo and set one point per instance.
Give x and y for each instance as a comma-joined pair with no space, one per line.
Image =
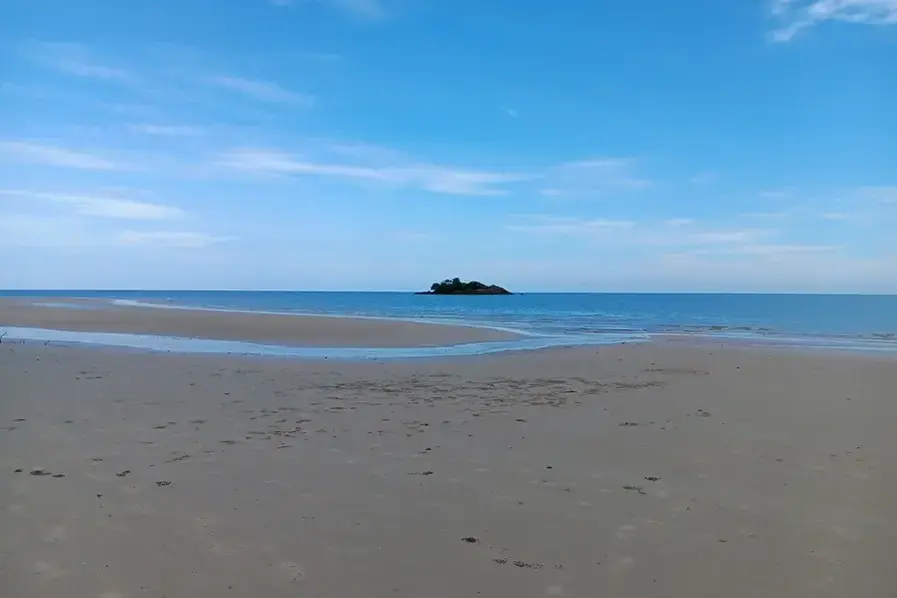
455,286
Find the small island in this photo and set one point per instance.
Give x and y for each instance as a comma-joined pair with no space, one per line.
455,286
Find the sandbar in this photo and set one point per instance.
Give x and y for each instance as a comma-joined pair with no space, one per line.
297,330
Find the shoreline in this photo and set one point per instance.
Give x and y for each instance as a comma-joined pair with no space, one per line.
87,317
136,344
301,314
147,326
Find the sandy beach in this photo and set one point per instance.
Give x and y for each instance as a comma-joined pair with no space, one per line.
649,471
309,331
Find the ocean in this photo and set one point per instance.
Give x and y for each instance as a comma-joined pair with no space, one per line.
852,322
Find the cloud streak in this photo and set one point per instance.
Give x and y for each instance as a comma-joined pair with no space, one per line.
593,177
101,206
554,225
264,91
673,232
397,173
166,130
76,60
798,15
176,239
50,155
879,194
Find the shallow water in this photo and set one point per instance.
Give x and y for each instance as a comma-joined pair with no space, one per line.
844,322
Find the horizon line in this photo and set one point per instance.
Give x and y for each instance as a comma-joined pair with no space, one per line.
20,291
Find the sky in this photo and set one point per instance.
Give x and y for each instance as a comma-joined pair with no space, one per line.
651,145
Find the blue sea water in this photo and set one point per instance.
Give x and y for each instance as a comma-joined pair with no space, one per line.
861,322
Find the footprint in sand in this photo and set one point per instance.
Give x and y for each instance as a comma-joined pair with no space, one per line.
624,531
48,569
293,570
623,564
56,533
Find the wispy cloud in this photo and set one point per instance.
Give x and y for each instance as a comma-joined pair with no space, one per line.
679,222
592,176
100,206
704,178
718,237
383,167
880,194
74,59
374,164
179,239
782,249
797,15
50,155
544,224
674,232
262,90
71,232
751,250
512,112
360,9
767,215
783,193
28,230
166,130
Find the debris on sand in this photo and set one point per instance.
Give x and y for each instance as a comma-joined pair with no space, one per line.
39,472
470,540
163,483
122,474
638,489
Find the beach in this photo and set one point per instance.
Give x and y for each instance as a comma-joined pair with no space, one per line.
657,469
310,331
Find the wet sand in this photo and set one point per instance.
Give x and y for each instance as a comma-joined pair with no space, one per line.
308,331
644,471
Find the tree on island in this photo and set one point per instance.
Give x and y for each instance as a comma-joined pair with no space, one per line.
455,286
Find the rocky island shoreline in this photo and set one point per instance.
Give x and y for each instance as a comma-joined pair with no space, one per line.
456,286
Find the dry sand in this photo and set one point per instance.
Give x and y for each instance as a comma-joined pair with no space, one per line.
643,471
309,331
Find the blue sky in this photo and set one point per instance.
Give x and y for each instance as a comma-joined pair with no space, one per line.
702,145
